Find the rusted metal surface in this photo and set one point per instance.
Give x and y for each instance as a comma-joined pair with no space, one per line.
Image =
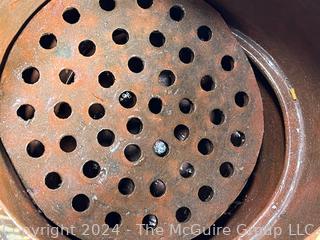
283,28
162,153
14,200
294,152
293,45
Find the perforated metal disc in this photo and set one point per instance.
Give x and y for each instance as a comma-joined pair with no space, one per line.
122,113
